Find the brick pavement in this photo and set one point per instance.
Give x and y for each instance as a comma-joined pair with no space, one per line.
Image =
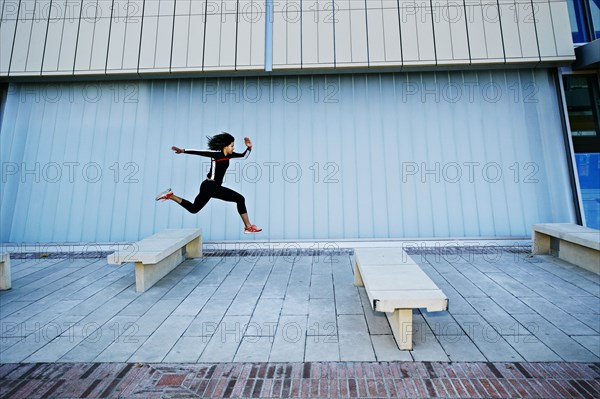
300,380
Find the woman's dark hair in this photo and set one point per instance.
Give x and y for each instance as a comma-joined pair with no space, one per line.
220,141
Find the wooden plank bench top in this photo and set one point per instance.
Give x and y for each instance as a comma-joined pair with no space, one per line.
573,243
395,284
157,255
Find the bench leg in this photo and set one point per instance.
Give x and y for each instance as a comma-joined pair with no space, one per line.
5,276
401,323
193,249
541,243
148,275
358,281
581,256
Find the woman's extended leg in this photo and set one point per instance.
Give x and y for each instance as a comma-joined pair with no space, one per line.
227,194
206,191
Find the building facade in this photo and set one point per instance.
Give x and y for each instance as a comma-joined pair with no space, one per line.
376,119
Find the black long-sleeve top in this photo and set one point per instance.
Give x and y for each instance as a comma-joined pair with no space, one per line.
219,162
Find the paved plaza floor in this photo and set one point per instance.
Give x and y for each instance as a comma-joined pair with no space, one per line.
506,307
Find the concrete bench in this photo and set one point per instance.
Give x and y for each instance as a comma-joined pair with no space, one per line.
570,242
5,279
396,285
157,255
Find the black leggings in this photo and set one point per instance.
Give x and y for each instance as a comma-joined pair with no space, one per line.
211,189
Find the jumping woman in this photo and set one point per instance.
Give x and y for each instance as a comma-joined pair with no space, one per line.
222,151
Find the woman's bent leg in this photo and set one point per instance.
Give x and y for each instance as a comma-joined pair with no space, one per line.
227,194
201,199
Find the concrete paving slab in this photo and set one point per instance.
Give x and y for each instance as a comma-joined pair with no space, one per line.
425,344
531,349
460,348
564,321
310,310
559,342
322,348
386,349
356,346
254,349
159,344
121,350
186,350
377,322
224,343
209,318
589,342
290,339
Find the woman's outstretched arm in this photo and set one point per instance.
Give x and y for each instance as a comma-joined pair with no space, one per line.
210,154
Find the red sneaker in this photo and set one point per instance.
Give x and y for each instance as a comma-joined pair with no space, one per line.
252,229
165,195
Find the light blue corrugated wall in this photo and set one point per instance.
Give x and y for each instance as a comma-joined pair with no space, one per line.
450,154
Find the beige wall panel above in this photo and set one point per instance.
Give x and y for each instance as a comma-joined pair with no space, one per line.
417,34
287,40
7,35
250,41
20,50
100,45
195,50
181,33
9,10
36,46
376,34
391,28
133,32
53,45
351,37
68,47
116,44
164,39
148,43
562,30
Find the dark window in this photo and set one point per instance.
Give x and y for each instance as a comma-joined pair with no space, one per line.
582,95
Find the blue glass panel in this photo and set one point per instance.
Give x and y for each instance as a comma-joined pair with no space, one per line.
588,169
576,16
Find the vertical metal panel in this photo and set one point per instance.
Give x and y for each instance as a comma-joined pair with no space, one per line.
391,28
562,29
416,33
326,26
100,45
7,35
116,45
335,157
68,45
310,34
195,50
376,32
351,34
56,24
485,36
280,45
181,37
250,42
317,34
38,36
287,40
544,24
148,43
85,36
518,31
164,37
18,63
